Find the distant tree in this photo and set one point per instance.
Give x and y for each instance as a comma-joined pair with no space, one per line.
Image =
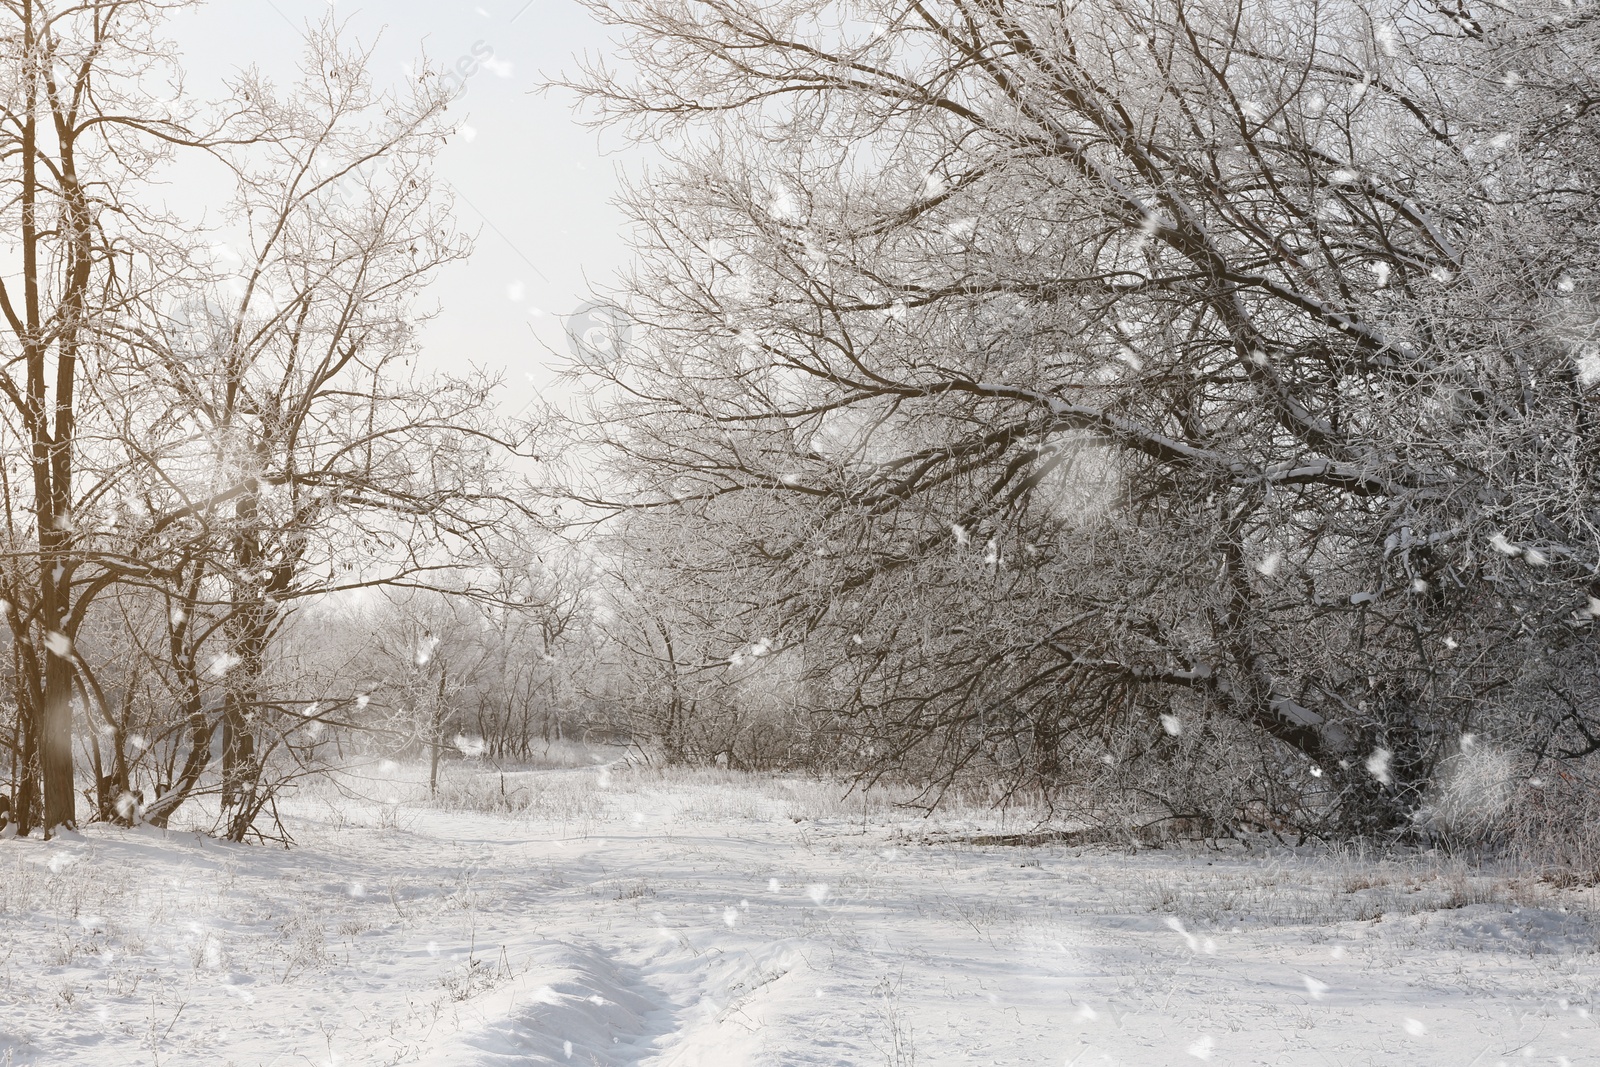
487,669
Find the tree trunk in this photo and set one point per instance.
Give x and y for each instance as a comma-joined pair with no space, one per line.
436,740
27,803
55,733
247,628
52,445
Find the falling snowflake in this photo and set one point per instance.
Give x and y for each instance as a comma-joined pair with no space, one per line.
1172,725
1176,924
425,650
1378,765
127,806
782,206
1503,546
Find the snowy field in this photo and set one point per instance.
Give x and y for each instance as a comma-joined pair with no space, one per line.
616,915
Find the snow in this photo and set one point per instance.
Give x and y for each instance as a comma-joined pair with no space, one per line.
621,915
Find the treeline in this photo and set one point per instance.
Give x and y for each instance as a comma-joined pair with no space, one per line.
1183,406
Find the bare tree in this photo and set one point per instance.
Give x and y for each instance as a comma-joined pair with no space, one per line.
82,129
290,447
1132,359
225,419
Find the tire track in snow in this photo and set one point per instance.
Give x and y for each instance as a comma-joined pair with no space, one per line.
572,1004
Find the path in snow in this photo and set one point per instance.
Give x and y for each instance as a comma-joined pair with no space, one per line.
681,924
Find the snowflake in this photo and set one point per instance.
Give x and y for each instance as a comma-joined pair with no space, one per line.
1503,546
1378,765
1589,366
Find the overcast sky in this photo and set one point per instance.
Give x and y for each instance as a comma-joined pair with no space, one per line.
533,184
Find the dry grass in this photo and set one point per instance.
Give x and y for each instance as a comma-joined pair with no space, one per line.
1333,887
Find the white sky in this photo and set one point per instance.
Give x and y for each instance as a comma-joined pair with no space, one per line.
533,184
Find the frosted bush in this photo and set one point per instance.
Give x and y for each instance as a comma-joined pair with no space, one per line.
1472,792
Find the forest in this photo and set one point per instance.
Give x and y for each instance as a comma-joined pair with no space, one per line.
1182,412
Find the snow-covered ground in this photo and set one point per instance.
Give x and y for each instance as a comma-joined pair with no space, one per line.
625,916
